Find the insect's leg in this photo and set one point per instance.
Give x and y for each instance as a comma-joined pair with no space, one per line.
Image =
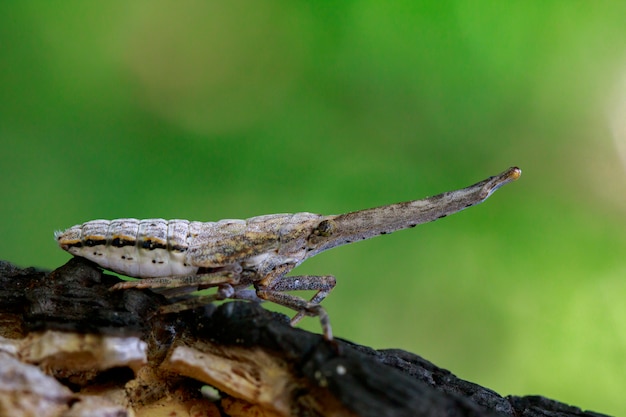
210,279
322,283
272,286
224,291
300,305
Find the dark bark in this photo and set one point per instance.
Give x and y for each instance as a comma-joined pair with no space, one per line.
255,356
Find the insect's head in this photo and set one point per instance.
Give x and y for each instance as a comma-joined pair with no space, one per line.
321,234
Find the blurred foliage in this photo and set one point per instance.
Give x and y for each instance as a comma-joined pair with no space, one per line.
210,110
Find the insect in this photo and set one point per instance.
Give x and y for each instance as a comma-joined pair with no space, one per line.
235,255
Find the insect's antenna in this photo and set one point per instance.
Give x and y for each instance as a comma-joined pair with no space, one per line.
363,224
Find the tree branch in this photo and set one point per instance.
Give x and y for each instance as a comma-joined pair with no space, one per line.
102,352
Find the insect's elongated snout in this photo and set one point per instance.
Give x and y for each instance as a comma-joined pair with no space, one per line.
364,224
493,183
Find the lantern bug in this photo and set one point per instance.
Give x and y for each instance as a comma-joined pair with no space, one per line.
249,259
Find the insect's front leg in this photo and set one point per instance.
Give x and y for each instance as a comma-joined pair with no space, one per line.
272,288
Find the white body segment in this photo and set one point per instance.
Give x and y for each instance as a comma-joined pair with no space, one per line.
136,248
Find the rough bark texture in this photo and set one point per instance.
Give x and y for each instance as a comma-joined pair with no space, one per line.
71,347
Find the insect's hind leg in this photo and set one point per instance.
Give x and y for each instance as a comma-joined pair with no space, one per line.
209,279
274,291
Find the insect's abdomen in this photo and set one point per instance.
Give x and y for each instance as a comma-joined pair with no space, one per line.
137,248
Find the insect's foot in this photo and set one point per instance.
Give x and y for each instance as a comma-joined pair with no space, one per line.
318,310
327,330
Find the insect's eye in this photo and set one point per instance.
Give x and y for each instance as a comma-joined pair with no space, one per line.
325,228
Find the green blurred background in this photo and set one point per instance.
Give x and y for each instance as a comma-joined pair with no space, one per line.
206,110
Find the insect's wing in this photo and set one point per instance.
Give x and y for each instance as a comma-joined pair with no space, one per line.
270,240
230,242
